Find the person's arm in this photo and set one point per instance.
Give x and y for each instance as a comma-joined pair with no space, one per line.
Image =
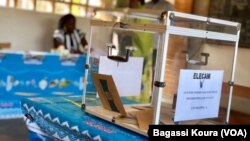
57,44
83,41
82,36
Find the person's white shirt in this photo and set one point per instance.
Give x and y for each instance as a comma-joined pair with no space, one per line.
70,41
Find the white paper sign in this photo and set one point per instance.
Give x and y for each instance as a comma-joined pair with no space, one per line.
199,93
127,75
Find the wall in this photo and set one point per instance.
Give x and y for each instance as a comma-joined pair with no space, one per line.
201,7
29,30
183,5
225,56
221,57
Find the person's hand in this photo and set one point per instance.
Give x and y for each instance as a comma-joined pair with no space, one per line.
75,52
60,50
84,42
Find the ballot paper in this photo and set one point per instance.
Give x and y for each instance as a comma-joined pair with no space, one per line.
127,75
199,93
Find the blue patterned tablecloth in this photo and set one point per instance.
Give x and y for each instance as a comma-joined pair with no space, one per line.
62,118
40,74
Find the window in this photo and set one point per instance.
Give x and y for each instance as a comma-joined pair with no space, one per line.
25,4
61,8
76,7
3,2
44,6
80,1
11,3
95,3
64,0
7,3
78,10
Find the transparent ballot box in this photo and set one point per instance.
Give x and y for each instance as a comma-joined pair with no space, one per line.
142,65
200,68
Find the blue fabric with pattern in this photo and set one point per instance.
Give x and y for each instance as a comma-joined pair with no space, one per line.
64,119
40,75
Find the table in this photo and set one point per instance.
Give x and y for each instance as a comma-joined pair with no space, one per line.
39,74
5,45
62,118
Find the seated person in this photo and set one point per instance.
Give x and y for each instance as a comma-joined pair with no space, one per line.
67,37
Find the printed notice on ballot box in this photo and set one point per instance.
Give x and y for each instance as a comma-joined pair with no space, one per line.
210,132
199,93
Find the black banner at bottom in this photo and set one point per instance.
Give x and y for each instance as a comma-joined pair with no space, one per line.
198,132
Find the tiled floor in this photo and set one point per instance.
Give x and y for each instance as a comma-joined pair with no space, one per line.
235,117
13,130
239,118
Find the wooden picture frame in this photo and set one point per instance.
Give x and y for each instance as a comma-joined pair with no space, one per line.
108,93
